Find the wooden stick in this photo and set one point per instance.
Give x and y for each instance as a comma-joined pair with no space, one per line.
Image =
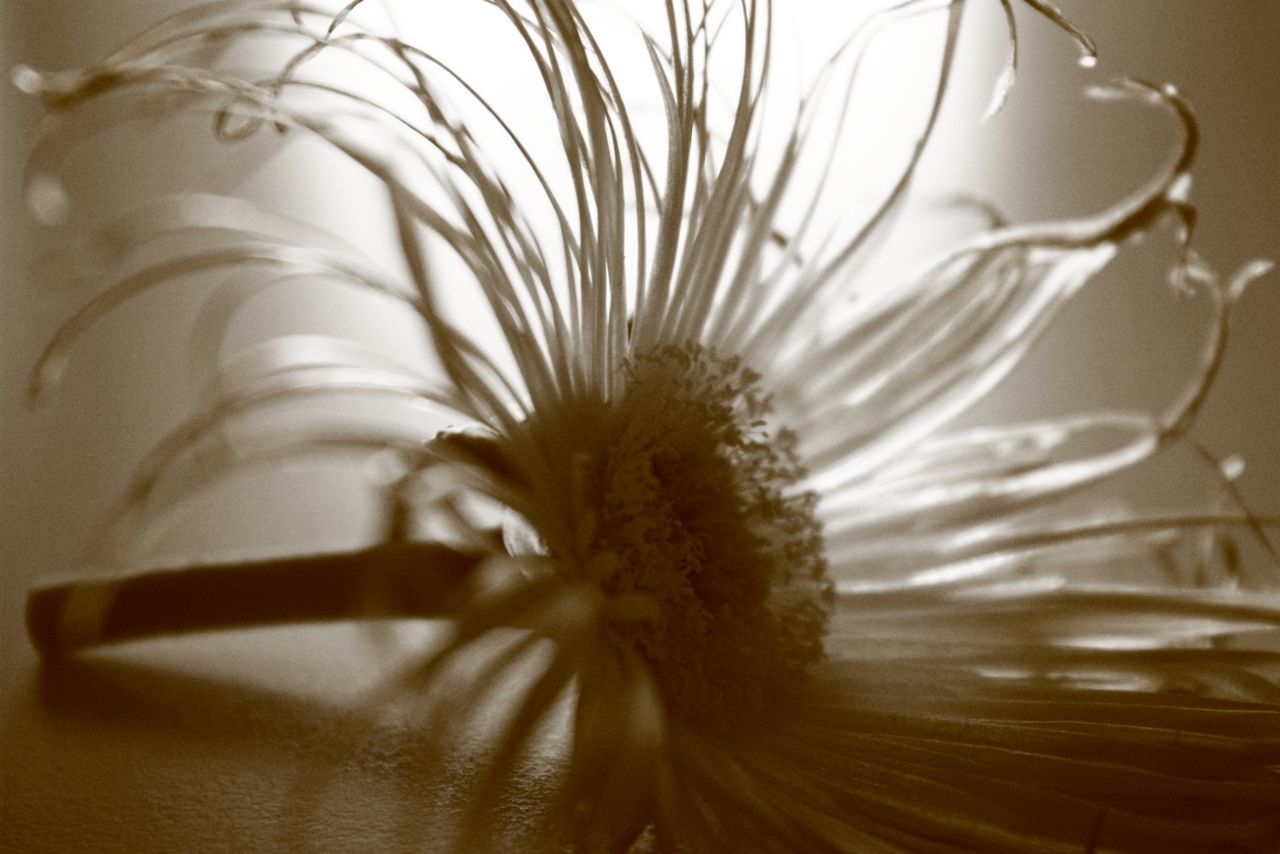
394,580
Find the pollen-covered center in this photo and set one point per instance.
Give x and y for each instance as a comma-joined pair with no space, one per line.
698,515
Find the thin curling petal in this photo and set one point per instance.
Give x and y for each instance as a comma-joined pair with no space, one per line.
762,596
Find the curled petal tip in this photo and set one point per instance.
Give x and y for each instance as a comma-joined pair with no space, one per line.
1179,191
48,200
231,125
1133,87
44,380
1113,90
1088,50
1247,275
1010,72
27,79
1000,95
38,396
1232,467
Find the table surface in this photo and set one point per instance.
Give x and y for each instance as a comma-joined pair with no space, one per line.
248,740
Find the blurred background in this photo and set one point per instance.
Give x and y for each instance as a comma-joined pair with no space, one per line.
1129,341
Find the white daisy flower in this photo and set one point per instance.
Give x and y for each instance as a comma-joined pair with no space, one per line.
786,608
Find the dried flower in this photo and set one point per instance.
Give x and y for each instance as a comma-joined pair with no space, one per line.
790,612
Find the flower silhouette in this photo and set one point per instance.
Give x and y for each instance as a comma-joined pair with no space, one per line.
785,608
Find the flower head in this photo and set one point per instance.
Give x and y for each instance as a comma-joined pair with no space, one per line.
790,611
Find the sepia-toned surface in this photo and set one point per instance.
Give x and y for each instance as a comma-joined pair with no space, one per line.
200,744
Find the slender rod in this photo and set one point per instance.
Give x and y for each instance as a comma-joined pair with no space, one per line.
406,579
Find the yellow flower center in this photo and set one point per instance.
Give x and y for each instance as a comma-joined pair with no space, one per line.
699,526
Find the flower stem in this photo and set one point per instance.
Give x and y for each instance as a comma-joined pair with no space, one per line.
393,580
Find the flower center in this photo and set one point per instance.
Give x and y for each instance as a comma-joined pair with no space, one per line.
697,516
